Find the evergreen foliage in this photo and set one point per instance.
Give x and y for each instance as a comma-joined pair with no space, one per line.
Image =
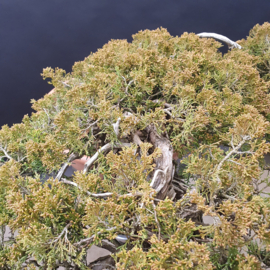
137,109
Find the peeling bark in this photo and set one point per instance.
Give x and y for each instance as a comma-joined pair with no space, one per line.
162,177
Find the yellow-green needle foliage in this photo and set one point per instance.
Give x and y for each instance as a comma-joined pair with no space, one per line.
137,109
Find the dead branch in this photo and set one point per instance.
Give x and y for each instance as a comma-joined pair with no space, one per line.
233,151
156,219
136,139
107,147
116,126
64,231
65,166
163,172
127,84
92,124
96,195
5,152
100,195
231,44
90,239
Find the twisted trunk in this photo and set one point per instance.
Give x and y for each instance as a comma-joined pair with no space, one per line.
163,173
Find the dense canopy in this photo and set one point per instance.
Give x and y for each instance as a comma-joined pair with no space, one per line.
137,109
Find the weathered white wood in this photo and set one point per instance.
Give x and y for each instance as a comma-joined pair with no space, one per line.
231,44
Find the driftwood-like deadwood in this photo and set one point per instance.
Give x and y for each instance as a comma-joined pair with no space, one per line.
231,44
162,176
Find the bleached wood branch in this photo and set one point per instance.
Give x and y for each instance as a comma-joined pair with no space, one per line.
99,195
65,166
105,148
136,138
162,184
127,84
161,180
5,152
156,219
92,124
96,195
88,240
231,44
116,126
64,231
233,151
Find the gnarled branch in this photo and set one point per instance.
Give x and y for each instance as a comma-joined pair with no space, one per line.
162,182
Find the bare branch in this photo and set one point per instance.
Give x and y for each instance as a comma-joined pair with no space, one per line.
98,195
5,152
127,85
116,126
161,185
136,139
245,152
237,163
105,148
90,239
92,124
231,44
49,119
156,219
64,231
21,159
168,112
233,151
161,181
65,166
232,142
228,197
126,90
65,84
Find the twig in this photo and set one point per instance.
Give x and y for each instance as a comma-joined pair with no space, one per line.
245,152
100,195
170,114
233,151
21,159
156,94
91,238
237,163
49,119
207,240
5,152
96,195
231,187
105,148
210,151
116,126
231,44
126,90
156,219
92,124
64,167
228,197
65,231
65,84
